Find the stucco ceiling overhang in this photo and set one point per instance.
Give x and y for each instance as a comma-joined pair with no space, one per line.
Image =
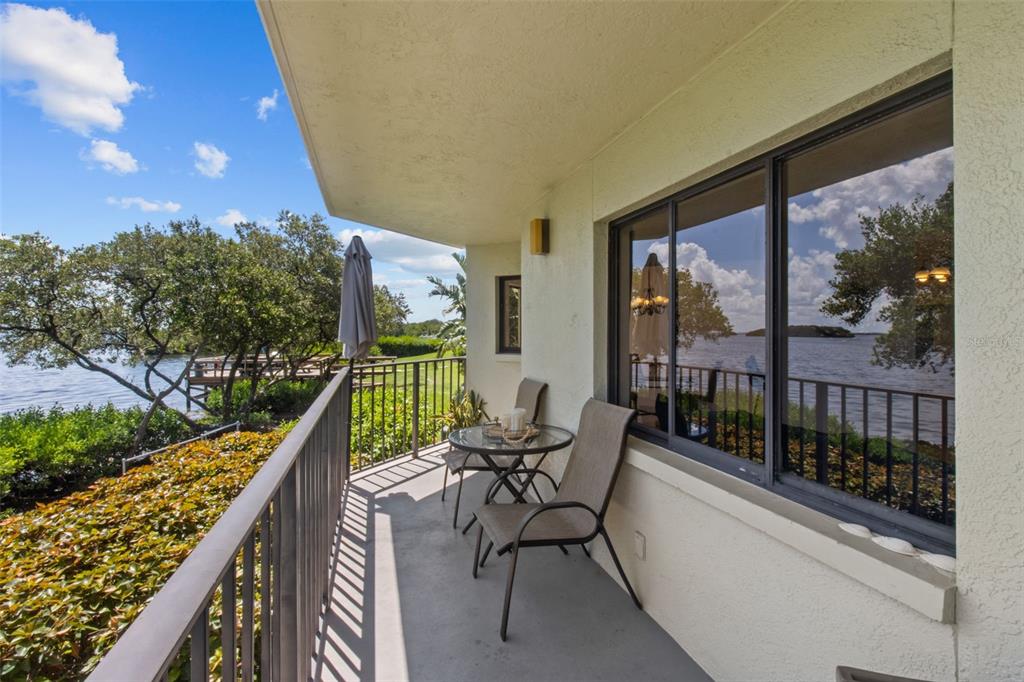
446,121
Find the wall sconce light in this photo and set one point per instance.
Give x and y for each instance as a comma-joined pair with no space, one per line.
539,244
921,276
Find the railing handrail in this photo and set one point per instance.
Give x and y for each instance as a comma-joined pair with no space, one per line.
830,382
153,640
408,362
125,461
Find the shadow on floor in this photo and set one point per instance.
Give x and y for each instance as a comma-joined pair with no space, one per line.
404,603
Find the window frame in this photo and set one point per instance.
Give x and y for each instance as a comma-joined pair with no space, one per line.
921,532
501,319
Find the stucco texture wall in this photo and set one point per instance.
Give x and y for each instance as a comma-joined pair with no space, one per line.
746,606
988,92
492,375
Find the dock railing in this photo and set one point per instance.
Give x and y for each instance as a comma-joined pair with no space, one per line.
268,555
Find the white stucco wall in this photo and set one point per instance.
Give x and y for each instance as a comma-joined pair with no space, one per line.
493,375
744,604
988,106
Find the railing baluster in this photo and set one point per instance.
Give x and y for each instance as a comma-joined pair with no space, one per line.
821,431
277,583
199,648
914,472
945,461
802,432
248,599
416,409
888,447
842,438
266,560
750,416
227,624
864,446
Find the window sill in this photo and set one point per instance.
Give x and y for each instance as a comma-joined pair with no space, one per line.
905,579
507,357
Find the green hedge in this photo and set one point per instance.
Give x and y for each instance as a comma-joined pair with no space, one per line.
405,346
285,398
75,573
44,455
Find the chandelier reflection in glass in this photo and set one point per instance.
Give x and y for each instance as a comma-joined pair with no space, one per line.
649,302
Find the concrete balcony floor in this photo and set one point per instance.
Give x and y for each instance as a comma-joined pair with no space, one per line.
405,604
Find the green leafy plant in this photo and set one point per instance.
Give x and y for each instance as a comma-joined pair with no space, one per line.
44,455
75,573
465,409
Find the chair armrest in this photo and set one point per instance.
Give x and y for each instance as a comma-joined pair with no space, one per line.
493,488
548,506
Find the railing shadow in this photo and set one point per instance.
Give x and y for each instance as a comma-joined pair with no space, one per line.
345,646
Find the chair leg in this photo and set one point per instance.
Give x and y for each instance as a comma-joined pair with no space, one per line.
476,555
444,486
585,550
508,593
487,552
564,550
622,574
458,499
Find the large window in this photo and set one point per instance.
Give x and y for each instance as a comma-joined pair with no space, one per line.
797,327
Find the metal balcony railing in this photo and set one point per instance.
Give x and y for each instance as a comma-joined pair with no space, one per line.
252,591
398,407
889,445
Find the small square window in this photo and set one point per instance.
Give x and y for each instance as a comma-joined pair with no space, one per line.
510,333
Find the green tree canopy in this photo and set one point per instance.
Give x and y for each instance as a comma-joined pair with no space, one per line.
698,311
391,311
900,241
151,292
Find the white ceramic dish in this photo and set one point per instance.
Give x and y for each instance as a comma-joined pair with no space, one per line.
942,562
856,529
895,545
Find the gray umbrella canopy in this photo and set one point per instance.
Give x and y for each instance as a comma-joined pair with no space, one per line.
357,328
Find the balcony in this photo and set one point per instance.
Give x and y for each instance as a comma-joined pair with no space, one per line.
403,604
332,575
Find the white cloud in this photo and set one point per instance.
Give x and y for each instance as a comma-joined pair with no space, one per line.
304,160
417,256
740,293
231,217
145,205
210,161
837,208
64,66
111,157
265,105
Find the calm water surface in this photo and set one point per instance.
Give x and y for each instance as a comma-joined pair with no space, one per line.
23,386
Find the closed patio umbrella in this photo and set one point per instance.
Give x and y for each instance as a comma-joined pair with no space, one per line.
649,307
357,328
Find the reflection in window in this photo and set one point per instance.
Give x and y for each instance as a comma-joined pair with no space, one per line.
644,294
510,289
870,313
719,345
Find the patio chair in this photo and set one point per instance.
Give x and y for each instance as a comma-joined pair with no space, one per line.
528,397
576,514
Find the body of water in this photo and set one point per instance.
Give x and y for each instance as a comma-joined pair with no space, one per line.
23,386
841,361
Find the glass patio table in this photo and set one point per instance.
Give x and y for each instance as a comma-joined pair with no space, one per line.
475,439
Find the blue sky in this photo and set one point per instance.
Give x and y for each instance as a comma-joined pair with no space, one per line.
729,252
120,113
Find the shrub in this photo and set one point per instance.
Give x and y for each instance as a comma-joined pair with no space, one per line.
44,455
405,346
284,398
75,573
